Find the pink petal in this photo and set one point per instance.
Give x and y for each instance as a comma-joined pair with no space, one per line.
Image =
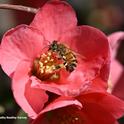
97,115
52,87
105,70
20,87
118,89
20,43
80,80
115,39
86,41
71,86
54,18
35,97
91,114
108,102
94,50
61,102
117,75
116,71
65,115
97,85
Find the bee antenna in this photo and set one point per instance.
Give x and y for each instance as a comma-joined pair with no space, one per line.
47,45
81,56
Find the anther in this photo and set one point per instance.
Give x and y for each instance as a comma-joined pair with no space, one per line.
41,64
45,61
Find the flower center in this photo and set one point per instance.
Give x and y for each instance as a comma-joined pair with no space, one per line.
66,115
47,67
70,119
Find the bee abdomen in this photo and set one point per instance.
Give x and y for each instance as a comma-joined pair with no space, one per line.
70,67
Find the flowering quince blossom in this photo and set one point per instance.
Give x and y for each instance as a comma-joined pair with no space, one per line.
117,69
98,108
56,64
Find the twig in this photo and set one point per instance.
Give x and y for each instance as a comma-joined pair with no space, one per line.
18,7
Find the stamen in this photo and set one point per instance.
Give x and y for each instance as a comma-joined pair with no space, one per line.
47,67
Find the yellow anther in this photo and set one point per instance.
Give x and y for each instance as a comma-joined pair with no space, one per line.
54,76
45,61
49,53
41,64
41,70
48,70
64,57
76,118
51,60
43,55
48,58
53,67
47,67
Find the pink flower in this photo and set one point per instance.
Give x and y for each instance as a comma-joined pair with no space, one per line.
117,69
53,54
98,108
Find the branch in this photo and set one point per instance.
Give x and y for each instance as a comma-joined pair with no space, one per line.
18,7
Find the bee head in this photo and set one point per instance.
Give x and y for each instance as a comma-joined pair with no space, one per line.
54,46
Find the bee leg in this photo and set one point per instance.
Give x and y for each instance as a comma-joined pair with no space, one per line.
59,66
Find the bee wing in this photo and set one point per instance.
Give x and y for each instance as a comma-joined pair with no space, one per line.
47,46
78,54
81,56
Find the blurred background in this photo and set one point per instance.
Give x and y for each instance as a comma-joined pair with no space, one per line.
106,15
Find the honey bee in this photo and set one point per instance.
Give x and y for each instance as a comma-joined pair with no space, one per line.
57,56
69,58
